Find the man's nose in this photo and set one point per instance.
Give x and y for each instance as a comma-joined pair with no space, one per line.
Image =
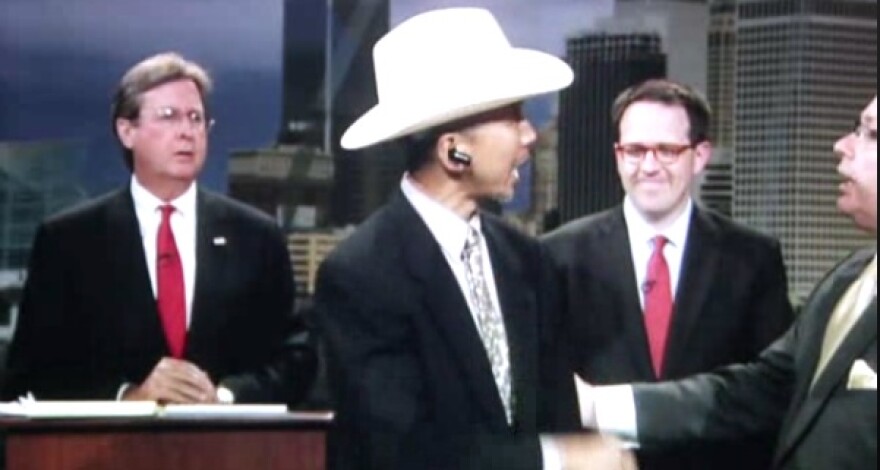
844,147
649,161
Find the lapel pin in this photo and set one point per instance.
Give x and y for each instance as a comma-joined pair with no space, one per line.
219,241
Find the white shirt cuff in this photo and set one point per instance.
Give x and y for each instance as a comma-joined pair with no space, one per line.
610,409
550,455
225,396
615,410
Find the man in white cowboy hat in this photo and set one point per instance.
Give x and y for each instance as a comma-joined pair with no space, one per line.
439,320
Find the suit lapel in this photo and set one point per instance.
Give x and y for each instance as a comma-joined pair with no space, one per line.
444,301
622,272
863,334
826,301
697,274
129,277
809,402
211,261
518,309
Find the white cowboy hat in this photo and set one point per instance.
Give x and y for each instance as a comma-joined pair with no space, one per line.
447,64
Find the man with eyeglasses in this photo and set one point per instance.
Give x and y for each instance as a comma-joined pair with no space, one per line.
660,288
160,290
815,387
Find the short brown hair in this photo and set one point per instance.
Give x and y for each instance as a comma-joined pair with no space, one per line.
671,94
148,74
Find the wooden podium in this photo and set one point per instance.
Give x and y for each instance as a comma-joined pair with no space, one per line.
295,442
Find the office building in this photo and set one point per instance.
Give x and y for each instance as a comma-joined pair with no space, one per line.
716,189
804,70
343,82
37,179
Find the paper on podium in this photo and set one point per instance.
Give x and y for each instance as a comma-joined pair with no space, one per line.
80,409
222,411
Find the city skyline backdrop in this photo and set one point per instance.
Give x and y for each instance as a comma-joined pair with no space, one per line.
62,61
786,78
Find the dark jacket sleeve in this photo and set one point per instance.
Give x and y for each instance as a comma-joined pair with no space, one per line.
47,355
770,310
733,403
289,366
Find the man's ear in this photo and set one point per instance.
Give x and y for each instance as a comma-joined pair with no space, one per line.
446,146
702,156
125,129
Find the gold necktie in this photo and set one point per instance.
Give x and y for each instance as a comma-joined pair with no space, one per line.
847,312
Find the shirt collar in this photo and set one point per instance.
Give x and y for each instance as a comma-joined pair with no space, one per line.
147,202
446,226
641,229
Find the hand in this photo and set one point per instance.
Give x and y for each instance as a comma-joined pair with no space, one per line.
174,381
594,452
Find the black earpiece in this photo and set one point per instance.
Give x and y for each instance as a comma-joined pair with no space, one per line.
459,157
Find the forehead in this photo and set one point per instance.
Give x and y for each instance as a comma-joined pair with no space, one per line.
652,122
182,93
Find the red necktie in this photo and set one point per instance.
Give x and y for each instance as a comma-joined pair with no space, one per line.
169,278
658,304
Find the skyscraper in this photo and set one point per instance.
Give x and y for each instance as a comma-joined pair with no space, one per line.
804,69
604,65
364,178
682,26
716,190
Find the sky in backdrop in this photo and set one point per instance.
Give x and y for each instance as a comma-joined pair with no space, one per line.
61,59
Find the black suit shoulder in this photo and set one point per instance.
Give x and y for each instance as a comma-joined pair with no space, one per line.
737,236
87,213
237,210
369,244
563,243
581,227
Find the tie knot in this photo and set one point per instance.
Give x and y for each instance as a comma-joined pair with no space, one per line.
660,242
167,210
471,243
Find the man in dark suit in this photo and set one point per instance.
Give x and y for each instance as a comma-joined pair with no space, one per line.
161,290
726,294
440,320
818,382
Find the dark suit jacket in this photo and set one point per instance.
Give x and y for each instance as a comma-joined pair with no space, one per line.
409,375
89,321
730,304
826,427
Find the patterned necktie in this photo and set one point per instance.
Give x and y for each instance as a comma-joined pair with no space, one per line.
847,312
658,304
169,278
489,322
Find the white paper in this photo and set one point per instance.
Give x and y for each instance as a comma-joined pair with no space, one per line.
216,410
80,409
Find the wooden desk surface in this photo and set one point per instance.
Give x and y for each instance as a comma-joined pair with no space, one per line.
157,443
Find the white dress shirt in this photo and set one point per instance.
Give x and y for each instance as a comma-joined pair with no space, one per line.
641,241
183,224
614,410
184,221
450,231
